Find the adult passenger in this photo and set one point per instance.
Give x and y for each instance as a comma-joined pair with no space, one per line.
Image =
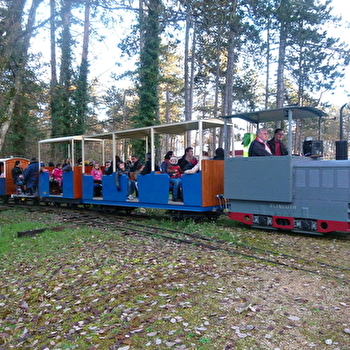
67,166
219,154
260,147
17,176
164,165
135,167
148,166
278,148
188,160
109,165
31,176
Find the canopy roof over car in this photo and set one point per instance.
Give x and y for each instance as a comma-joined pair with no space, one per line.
287,113
69,142
149,132
279,114
168,129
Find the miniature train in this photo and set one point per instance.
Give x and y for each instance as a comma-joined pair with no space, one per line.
300,194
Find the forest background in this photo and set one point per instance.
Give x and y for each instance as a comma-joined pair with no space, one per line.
180,60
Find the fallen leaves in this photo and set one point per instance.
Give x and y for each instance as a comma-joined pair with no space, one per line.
110,291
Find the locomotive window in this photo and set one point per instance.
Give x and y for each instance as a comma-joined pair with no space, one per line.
314,178
300,178
343,178
327,179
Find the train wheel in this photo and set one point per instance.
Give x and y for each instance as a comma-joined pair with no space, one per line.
57,205
87,206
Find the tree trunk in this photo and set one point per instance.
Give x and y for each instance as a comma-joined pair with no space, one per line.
82,94
280,68
19,71
228,102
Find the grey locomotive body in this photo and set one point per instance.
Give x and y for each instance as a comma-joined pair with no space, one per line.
293,193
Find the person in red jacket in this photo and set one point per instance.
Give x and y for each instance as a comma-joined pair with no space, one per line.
278,148
175,173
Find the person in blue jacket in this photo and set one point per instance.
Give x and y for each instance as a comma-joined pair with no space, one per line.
31,176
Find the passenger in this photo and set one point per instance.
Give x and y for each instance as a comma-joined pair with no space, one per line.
135,167
42,168
31,176
128,164
188,160
164,165
108,168
219,154
278,148
175,173
259,146
148,166
57,175
51,164
17,176
122,170
67,166
97,174
195,169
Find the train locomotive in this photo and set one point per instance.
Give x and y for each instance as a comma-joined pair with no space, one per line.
296,193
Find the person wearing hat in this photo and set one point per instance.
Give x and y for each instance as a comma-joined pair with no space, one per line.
31,176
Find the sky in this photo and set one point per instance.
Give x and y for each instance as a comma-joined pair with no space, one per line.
341,96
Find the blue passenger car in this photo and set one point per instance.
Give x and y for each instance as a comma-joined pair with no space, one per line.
199,191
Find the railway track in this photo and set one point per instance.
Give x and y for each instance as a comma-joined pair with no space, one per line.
130,225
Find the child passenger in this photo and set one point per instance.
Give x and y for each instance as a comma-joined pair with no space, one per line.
97,174
122,170
175,173
57,174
